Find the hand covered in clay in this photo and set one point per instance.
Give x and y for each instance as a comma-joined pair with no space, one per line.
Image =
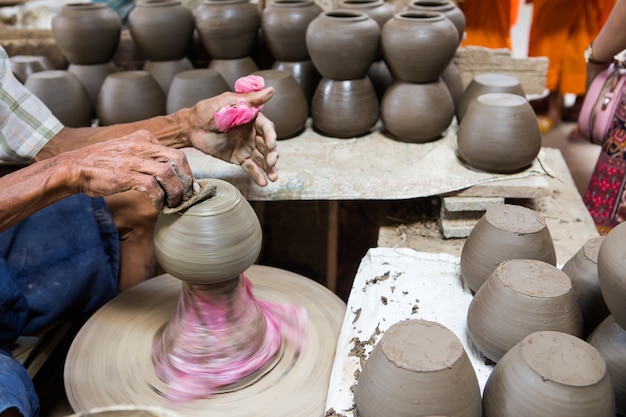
251,145
133,162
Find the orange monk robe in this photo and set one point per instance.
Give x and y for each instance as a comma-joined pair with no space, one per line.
560,31
488,23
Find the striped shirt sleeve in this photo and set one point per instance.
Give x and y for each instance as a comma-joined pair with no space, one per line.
26,124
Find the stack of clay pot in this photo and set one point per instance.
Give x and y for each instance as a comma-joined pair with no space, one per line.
343,44
283,27
87,35
417,46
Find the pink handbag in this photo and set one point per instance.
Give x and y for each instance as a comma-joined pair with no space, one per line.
600,104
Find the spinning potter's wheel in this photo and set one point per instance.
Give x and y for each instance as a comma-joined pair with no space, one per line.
109,362
206,326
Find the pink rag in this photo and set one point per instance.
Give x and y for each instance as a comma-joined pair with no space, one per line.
230,116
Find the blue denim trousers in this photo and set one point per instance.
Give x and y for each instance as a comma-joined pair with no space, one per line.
61,263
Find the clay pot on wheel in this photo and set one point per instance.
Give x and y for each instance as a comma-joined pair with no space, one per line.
549,374
499,133
86,33
418,367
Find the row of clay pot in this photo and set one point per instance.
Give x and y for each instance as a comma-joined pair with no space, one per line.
509,263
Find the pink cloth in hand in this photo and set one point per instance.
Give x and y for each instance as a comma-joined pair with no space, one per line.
230,116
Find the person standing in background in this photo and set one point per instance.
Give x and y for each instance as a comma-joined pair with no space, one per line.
561,30
488,23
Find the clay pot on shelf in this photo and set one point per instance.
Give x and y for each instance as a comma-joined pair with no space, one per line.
447,7
189,87
24,65
86,33
609,339
288,109
487,83
129,96
305,74
417,46
407,110
343,44
161,29
612,272
165,71
418,367
550,374
521,296
499,133
284,24
582,269
227,28
233,69
504,232
63,93
344,109
92,77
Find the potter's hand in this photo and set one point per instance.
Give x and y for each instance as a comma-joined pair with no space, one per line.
252,145
133,162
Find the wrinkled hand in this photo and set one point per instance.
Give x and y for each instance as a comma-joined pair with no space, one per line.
253,145
133,162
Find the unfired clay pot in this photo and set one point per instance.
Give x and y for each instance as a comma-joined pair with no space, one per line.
24,65
344,109
417,46
189,87
499,133
610,340
417,112
487,83
447,7
92,77
284,24
165,71
288,109
549,374
505,231
129,96
212,241
520,297
582,269
227,28
305,74
418,368
343,43
233,69
161,29
379,10
86,33
62,92
612,272
452,77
